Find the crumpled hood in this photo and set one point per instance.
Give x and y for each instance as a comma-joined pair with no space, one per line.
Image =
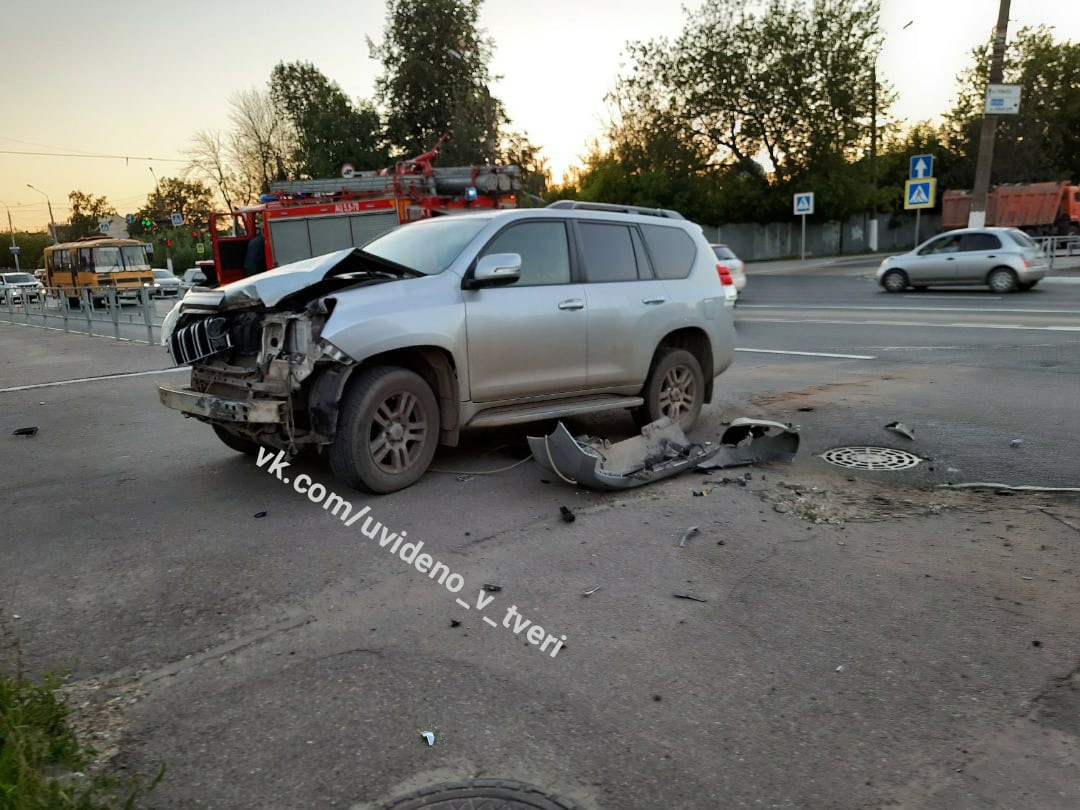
269,288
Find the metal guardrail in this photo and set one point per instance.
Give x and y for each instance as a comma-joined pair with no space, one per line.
1058,246
99,312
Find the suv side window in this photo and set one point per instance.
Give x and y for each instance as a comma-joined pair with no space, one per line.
608,252
544,251
979,241
671,249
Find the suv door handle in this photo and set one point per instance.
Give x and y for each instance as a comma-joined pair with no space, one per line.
659,299
572,303
991,256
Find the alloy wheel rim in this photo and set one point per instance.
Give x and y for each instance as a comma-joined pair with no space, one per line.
398,432
677,393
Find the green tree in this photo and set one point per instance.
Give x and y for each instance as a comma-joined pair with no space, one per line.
330,131
1042,142
435,61
86,213
190,199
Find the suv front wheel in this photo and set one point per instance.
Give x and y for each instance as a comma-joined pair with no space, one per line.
675,388
387,432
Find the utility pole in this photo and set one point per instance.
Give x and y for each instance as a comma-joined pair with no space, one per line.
977,217
15,248
52,221
872,241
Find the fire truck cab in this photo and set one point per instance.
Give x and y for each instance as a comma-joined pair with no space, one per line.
304,218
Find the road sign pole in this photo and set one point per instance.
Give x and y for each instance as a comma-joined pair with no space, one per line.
917,212
802,248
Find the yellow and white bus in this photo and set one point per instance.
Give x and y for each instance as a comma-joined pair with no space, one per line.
97,264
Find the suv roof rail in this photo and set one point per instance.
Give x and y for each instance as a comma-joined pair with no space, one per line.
617,209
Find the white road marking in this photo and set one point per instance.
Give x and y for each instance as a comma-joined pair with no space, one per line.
920,324
914,309
811,354
956,297
93,379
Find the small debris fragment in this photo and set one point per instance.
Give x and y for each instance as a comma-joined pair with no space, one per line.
567,514
657,698
26,431
429,736
260,514
1016,442
840,668
492,588
594,590
902,429
700,493
805,409
1036,643
544,481
688,596
455,623
687,535
464,478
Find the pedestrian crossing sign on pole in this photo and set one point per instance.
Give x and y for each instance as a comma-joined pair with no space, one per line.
804,203
920,193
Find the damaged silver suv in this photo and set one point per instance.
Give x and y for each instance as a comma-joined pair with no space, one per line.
377,355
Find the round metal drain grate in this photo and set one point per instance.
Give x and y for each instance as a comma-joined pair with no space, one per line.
482,794
871,458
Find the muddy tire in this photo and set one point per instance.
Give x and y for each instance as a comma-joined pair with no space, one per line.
675,388
894,281
388,430
1002,280
235,442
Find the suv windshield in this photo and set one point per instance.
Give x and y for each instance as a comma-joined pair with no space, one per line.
163,274
18,278
429,247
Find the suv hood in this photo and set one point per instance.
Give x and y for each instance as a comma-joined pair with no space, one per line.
316,276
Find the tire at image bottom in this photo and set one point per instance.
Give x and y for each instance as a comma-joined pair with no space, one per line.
489,794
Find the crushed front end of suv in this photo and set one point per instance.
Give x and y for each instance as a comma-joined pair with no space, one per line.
378,355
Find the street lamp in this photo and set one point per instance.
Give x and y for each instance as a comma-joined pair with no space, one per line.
15,248
52,221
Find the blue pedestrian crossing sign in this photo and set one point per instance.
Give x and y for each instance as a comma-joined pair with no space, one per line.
804,202
920,193
920,167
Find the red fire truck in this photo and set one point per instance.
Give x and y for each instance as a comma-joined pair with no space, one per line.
304,218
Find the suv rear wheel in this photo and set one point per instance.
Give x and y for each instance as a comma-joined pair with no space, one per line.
387,432
675,388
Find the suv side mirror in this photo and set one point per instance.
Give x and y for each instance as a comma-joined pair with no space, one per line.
495,270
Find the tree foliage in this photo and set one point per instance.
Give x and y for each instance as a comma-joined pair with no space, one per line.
86,212
191,199
1042,142
752,101
329,130
435,61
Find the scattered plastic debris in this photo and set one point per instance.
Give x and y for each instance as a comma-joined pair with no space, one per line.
687,535
661,451
464,478
260,514
429,736
699,493
688,596
455,623
594,590
750,441
26,431
805,408
567,514
492,588
1016,442
902,429
840,668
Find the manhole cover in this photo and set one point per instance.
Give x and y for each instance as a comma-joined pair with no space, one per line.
871,458
482,794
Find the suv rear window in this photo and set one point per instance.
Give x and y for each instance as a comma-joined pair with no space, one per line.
671,249
608,252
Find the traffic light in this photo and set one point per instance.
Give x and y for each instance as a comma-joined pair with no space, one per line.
146,222
168,243
195,235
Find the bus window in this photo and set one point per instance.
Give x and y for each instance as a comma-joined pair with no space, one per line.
86,260
107,260
134,257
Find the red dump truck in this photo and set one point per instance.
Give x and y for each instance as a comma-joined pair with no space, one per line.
1041,209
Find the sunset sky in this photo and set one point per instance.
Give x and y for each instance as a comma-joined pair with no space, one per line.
138,80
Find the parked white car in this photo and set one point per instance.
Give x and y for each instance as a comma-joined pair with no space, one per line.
166,284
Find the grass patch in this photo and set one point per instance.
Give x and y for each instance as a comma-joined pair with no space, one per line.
42,760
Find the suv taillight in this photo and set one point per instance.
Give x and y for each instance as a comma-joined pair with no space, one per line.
725,275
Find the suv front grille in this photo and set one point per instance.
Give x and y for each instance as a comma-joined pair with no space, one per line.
199,340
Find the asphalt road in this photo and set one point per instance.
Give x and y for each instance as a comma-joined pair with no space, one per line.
867,639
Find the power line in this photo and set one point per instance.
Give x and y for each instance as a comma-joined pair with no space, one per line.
126,158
